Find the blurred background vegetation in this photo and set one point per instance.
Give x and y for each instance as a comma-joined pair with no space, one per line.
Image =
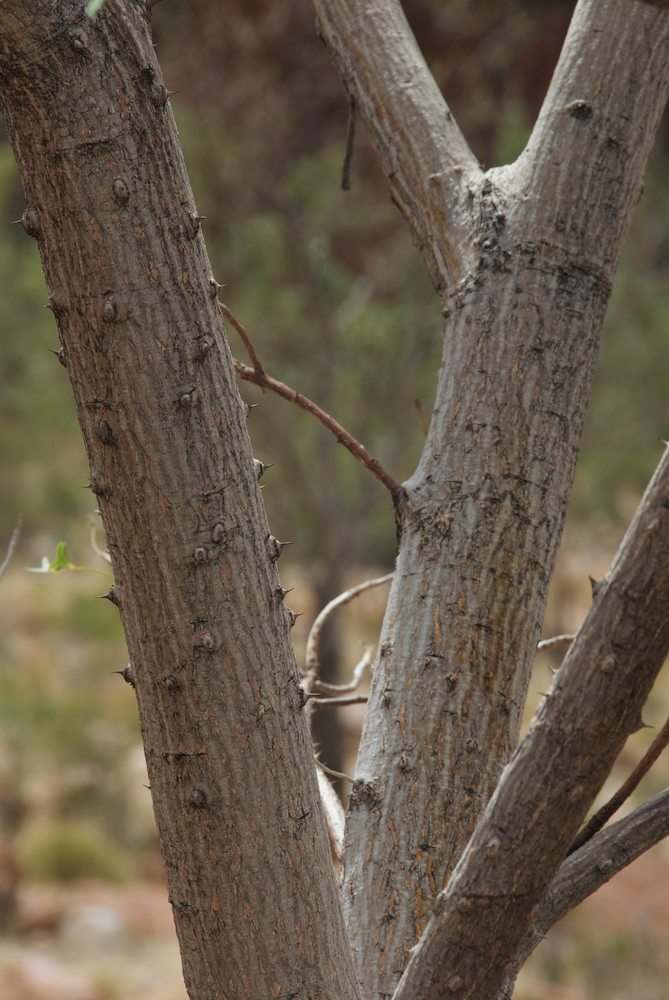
335,297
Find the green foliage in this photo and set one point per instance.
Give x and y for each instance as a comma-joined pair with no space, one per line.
62,562
62,851
93,6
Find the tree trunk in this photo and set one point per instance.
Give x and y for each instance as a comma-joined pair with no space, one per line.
249,873
522,259
524,291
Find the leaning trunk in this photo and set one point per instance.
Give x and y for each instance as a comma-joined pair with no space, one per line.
130,285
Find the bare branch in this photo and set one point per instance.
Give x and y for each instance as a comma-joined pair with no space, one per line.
324,687
13,542
427,161
258,376
350,145
333,814
313,640
589,868
334,774
354,699
556,640
594,703
575,135
596,822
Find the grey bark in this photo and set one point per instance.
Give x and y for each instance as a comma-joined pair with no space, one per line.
522,259
593,705
524,270
228,752
594,864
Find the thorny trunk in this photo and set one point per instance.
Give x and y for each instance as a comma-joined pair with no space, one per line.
482,516
522,259
172,471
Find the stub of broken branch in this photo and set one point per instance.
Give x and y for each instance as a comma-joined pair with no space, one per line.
258,376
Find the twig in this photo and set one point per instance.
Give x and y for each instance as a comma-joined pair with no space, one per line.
354,699
313,641
597,821
13,542
324,687
335,774
259,376
350,144
556,640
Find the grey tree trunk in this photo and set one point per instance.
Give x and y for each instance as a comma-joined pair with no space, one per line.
522,259
228,752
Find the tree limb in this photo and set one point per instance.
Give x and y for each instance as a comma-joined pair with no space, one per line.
429,166
596,822
594,703
259,376
590,867
598,137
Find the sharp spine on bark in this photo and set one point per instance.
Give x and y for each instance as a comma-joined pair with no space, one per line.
127,675
261,468
113,595
275,547
595,586
60,354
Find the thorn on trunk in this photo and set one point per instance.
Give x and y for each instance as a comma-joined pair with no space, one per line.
127,675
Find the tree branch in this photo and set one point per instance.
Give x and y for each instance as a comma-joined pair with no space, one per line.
429,166
594,703
596,822
314,638
13,542
591,867
597,137
258,376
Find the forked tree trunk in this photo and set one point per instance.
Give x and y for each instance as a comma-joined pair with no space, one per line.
232,775
522,259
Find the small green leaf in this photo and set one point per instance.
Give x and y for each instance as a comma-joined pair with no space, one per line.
93,6
62,560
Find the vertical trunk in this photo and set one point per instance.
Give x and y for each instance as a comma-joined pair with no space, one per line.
483,514
249,875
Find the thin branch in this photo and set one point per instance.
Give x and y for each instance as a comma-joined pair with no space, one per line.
334,774
429,166
333,814
556,640
590,867
13,542
324,687
314,638
350,145
596,822
354,699
259,376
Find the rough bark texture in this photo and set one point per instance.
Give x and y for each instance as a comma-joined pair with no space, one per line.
482,516
590,867
229,757
593,705
523,259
